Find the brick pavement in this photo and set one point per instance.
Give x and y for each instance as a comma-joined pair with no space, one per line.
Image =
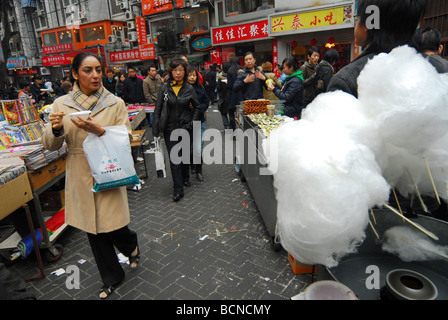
212,244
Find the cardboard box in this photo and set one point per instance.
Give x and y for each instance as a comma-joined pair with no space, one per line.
14,194
300,268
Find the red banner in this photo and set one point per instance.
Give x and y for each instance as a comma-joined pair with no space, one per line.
147,51
66,58
156,6
141,30
119,56
216,56
58,48
241,32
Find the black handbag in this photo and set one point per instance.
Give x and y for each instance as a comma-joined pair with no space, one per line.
164,114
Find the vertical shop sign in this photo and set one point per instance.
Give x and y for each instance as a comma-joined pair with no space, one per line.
156,6
274,53
241,32
216,56
140,24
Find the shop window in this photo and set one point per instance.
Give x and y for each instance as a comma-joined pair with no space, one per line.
50,39
65,37
196,21
93,34
77,35
236,7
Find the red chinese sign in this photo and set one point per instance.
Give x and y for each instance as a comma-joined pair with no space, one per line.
156,6
216,56
58,48
147,51
120,56
62,59
242,32
141,30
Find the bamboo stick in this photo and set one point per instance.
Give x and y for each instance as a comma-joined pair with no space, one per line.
429,233
396,199
373,228
432,181
373,216
418,193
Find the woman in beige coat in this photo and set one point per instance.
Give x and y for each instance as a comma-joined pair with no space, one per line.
103,215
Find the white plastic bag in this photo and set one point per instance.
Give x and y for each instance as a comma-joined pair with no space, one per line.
110,159
159,159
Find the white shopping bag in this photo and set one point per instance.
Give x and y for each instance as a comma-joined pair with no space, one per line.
110,159
159,158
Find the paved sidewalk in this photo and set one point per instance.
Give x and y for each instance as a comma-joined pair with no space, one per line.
212,244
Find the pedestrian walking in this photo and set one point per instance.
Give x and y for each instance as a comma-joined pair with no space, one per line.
67,85
325,71
198,143
210,83
119,88
428,42
133,88
309,69
109,81
151,87
232,97
399,20
182,108
251,81
292,90
104,215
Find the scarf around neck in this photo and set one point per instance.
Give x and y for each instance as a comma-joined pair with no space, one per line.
83,101
297,74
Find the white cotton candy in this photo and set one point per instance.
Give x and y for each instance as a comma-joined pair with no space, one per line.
345,153
411,245
325,193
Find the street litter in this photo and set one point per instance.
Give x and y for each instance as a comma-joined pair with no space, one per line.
58,272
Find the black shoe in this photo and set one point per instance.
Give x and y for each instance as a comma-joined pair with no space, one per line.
199,176
177,197
187,183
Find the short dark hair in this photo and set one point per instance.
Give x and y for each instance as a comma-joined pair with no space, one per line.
331,56
24,84
292,62
427,39
398,21
312,50
174,64
79,58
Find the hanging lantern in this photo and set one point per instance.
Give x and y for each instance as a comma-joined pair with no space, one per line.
294,44
313,42
331,40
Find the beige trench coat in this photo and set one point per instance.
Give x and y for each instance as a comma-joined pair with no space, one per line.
99,212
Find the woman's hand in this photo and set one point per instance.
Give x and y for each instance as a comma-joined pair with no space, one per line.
259,75
249,78
56,120
88,125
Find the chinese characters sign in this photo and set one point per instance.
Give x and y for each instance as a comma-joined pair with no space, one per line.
17,62
242,32
58,48
156,6
119,56
147,51
297,22
141,30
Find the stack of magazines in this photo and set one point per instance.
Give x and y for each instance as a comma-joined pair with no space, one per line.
9,172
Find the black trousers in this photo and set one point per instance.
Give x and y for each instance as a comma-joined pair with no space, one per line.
103,248
179,172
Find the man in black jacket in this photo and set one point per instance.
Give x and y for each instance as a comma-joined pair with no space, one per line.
42,97
133,88
109,81
398,22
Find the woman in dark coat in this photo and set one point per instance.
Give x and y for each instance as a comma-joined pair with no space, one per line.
183,108
326,71
230,98
198,143
292,91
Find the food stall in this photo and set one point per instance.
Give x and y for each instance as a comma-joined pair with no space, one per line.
253,119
